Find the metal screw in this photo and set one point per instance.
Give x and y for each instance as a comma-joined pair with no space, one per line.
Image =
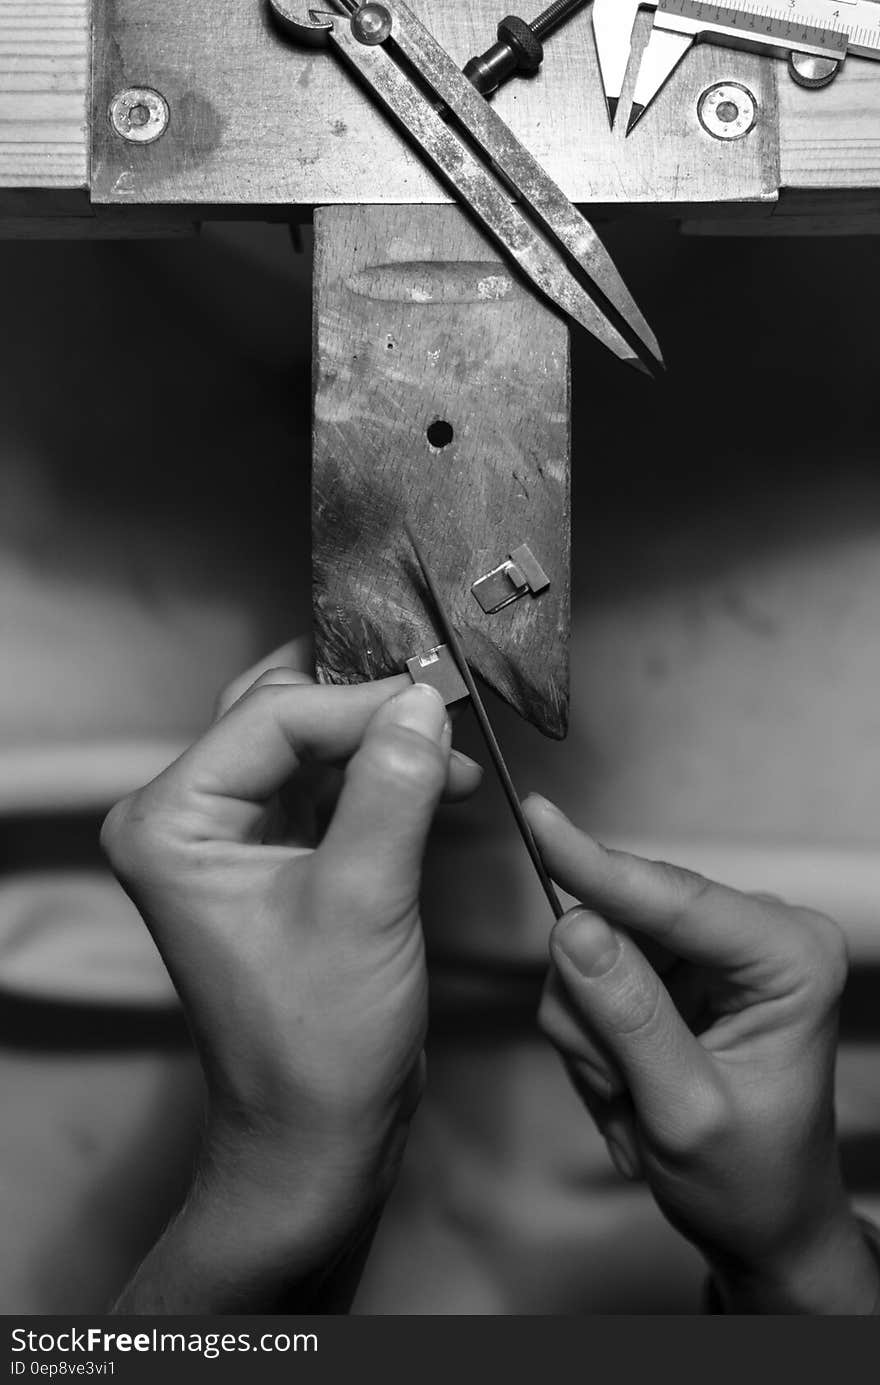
371,24
727,110
519,47
139,114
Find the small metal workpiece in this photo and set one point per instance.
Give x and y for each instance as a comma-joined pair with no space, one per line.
139,114
438,668
519,575
727,110
519,48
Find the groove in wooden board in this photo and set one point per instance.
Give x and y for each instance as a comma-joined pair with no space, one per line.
44,66
415,321
830,138
257,119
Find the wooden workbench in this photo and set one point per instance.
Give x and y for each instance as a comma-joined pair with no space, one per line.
814,153
261,127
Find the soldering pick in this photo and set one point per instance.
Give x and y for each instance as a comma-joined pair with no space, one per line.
452,639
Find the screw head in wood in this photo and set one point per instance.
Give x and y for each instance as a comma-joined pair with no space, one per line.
727,110
139,114
371,24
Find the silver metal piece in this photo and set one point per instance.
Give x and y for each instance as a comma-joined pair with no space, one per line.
727,110
518,576
139,114
438,668
371,24
810,71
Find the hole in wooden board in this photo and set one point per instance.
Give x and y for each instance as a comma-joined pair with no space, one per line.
440,433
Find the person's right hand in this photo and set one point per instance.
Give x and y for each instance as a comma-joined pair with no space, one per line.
286,907
705,1052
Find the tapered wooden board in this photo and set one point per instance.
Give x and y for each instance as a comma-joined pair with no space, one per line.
418,324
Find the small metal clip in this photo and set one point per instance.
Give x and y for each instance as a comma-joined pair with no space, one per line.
438,667
519,575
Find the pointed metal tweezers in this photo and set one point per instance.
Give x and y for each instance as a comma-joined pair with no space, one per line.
542,232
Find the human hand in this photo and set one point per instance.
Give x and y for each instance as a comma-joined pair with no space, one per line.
277,864
705,1053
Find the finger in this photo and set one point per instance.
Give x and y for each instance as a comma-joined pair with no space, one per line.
622,1002
567,1032
463,778
371,858
616,1122
692,916
296,654
257,746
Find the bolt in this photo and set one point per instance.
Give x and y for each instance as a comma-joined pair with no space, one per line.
139,114
519,48
371,24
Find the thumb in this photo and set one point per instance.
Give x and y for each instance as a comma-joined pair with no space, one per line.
370,861
625,1006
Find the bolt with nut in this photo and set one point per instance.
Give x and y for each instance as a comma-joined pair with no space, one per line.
519,49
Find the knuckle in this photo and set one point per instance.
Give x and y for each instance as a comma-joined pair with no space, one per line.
699,1128
266,695
132,837
693,889
114,835
226,698
279,676
824,956
638,1003
247,686
709,1122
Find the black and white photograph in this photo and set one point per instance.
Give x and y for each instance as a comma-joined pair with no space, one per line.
439,675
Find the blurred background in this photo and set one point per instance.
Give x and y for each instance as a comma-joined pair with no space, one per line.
154,541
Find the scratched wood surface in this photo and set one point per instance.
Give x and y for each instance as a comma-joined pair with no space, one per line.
416,322
44,65
830,139
257,119
825,145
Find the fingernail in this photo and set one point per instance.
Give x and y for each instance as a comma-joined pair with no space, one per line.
420,708
622,1159
545,803
588,942
466,761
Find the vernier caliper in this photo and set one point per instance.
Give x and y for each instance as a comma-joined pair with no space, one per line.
459,135
814,35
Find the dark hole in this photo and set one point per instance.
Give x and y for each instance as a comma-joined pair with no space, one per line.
440,433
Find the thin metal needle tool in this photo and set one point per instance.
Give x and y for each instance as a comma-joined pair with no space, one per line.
522,822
